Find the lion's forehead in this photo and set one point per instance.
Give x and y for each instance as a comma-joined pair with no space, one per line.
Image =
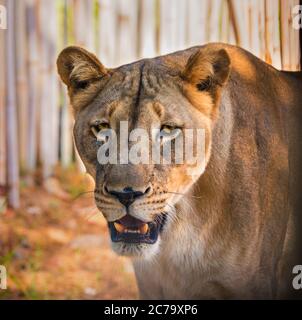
146,78
134,89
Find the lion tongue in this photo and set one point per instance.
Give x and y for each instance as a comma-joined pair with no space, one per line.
132,223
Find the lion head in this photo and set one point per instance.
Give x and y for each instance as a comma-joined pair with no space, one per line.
171,94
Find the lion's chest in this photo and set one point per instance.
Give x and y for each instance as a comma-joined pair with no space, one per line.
178,270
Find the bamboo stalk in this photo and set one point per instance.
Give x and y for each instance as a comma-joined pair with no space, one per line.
89,24
66,140
21,75
3,184
53,83
83,23
127,11
147,29
2,109
272,34
261,23
33,73
214,20
294,40
107,39
168,20
81,29
66,131
289,37
255,27
286,34
180,27
196,22
173,26
234,23
225,23
243,26
45,118
49,100
11,111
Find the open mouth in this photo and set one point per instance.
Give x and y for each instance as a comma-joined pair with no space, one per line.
132,230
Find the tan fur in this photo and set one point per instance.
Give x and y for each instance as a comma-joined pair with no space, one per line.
228,233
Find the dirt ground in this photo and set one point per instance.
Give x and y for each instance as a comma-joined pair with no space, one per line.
56,246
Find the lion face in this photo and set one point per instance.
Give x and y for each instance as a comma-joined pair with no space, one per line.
163,97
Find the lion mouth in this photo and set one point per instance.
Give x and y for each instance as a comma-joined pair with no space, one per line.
132,230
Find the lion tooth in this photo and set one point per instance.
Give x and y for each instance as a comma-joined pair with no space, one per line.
144,228
119,227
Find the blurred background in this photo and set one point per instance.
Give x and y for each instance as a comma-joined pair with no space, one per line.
53,241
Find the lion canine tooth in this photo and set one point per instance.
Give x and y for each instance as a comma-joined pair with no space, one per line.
144,228
119,227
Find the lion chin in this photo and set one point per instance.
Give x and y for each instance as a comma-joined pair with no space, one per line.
136,250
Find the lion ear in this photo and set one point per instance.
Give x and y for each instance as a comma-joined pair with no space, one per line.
207,68
83,74
77,66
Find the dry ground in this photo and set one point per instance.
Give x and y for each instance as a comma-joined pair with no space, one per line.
56,246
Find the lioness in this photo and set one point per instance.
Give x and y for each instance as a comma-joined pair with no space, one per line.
221,233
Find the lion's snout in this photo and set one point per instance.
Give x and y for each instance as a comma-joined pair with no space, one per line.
127,195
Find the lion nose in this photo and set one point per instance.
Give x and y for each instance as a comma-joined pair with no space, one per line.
127,196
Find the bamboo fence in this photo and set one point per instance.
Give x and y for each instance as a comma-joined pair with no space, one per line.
35,118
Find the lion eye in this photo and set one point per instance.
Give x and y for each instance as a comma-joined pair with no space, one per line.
205,84
81,84
98,127
166,129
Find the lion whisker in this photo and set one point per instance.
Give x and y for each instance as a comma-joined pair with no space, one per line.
184,194
81,194
92,213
